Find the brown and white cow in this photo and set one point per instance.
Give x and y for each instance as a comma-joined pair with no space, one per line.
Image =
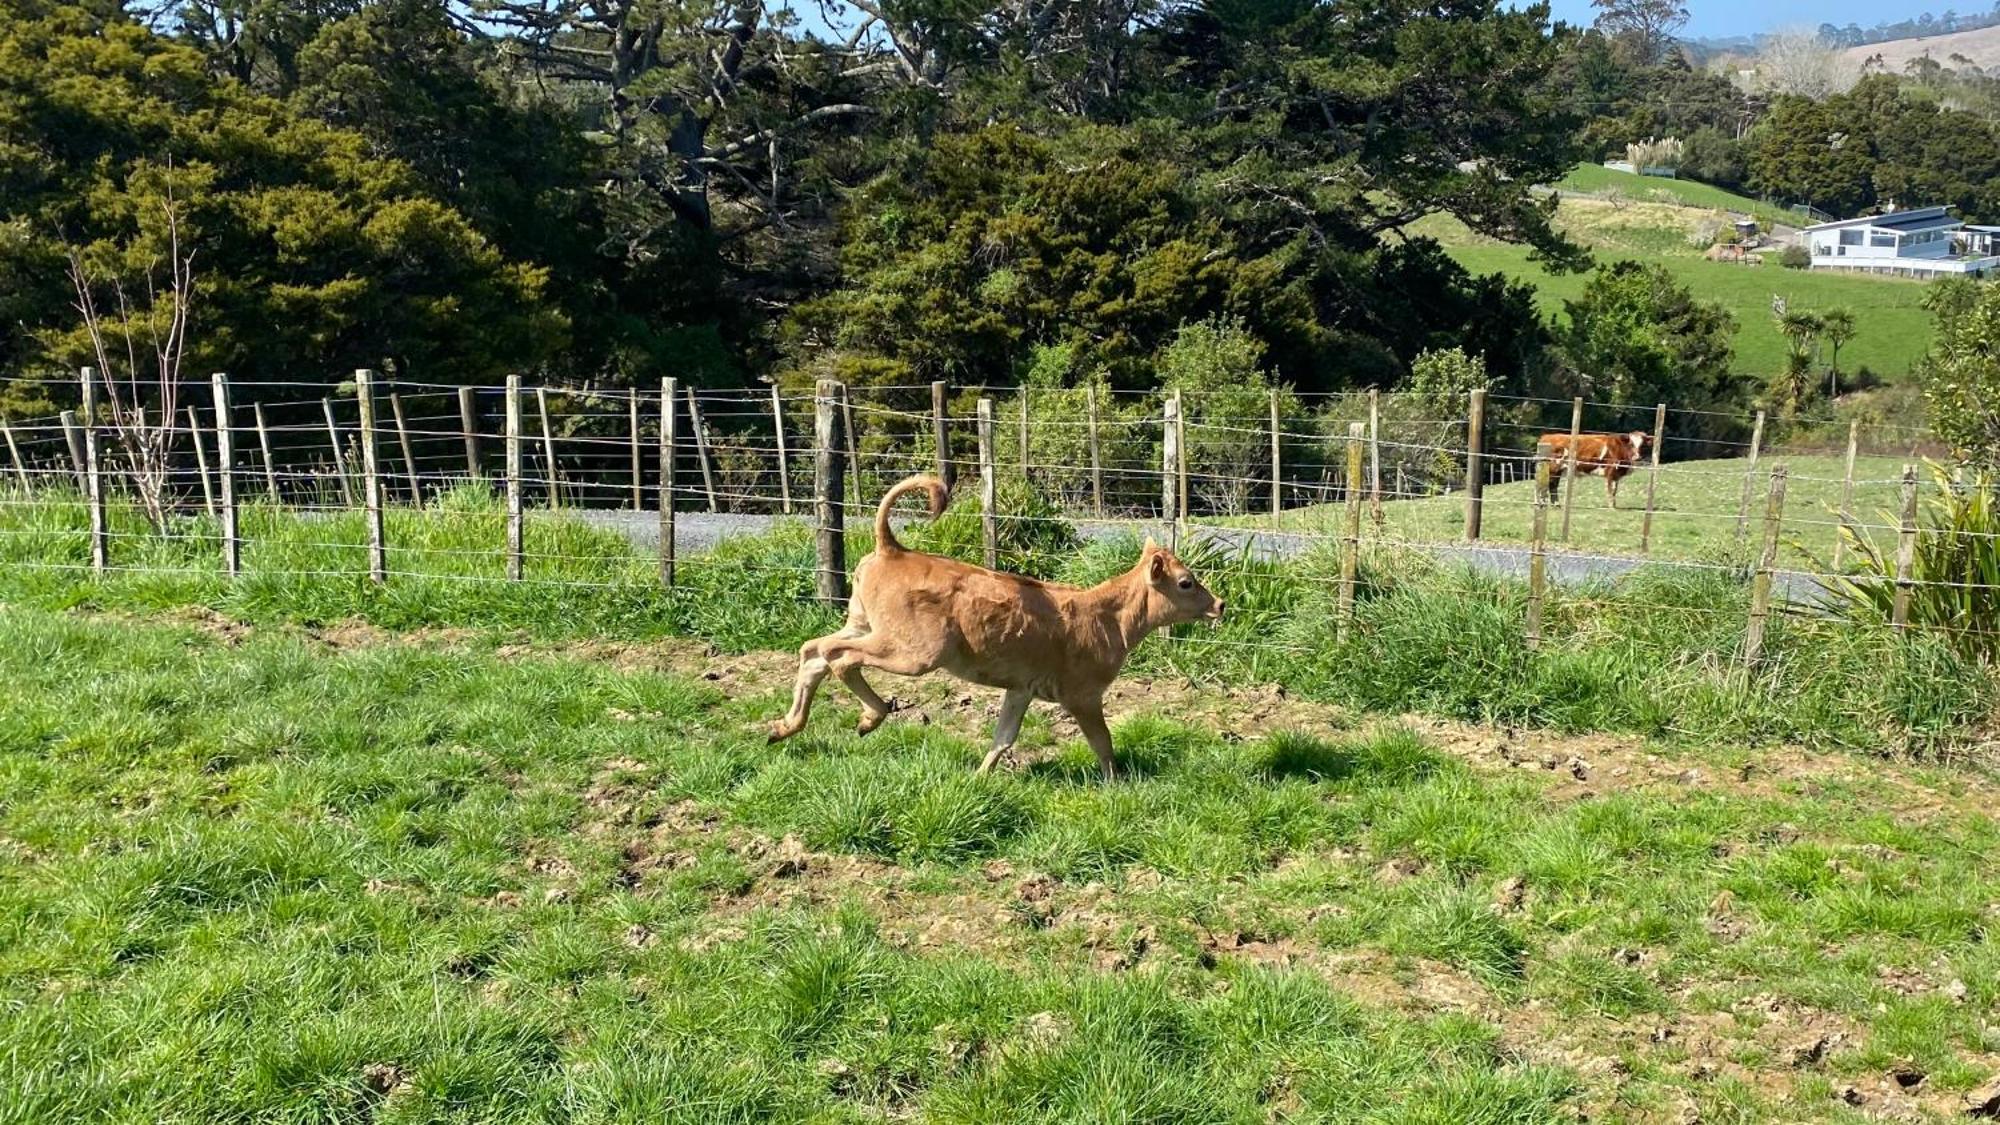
1613,455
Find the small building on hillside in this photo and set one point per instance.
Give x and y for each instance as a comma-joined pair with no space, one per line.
1919,242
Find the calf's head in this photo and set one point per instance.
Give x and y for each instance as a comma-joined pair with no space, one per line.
1636,442
1184,595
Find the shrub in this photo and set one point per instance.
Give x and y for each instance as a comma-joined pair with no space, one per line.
1217,364
1128,439
1795,257
1961,375
1956,568
1033,534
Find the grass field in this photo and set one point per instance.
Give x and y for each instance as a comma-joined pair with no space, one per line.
1893,330
267,875
1597,179
1694,518
1427,637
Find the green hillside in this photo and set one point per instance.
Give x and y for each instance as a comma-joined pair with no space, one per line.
1595,178
1672,222
1892,329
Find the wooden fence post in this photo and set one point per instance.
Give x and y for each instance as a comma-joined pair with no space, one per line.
989,487
371,477
941,434
225,475
1350,554
20,466
339,454
1538,556
1846,495
1096,461
1277,473
468,420
701,449
1749,478
1475,465
638,468
514,443
784,453
1767,559
409,454
1024,432
1653,478
1375,458
831,542
93,477
1906,551
549,448
1170,469
73,434
1400,486
669,393
1569,462
851,439
1186,455
201,461
264,449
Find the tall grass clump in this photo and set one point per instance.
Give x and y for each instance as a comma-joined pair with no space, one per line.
1956,567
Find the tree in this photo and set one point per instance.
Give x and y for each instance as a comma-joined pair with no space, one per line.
1645,29
1635,335
1837,325
319,255
140,406
1801,64
1713,157
1961,375
1810,152
1801,329
701,100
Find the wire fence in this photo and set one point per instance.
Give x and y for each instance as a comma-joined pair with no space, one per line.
1279,472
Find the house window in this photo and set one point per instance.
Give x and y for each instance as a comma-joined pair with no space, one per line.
1882,238
1850,238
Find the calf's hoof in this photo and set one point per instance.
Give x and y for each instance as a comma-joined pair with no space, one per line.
779,731
869,722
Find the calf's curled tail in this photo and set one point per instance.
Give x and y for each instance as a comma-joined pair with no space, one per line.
885,537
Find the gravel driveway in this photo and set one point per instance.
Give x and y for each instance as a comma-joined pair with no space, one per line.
696,532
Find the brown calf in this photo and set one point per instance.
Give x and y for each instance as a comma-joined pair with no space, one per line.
1614,455
913,613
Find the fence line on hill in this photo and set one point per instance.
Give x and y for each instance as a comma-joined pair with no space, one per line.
1154,458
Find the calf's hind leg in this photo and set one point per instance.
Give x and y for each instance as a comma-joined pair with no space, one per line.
1007,728
813,667
1089,716
874,708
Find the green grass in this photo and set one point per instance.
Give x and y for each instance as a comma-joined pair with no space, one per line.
1426,637
1893,328
1696,504
1595,179
255,878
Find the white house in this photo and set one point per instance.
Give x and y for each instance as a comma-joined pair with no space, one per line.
1920,242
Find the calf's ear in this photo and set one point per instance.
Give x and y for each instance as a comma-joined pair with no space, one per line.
1151,544
1157,567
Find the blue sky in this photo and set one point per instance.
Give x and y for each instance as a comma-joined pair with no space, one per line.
1716,18
1721,18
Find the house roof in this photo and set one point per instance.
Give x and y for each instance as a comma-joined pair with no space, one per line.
1916,218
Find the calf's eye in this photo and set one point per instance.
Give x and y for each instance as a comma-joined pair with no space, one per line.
1187,583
